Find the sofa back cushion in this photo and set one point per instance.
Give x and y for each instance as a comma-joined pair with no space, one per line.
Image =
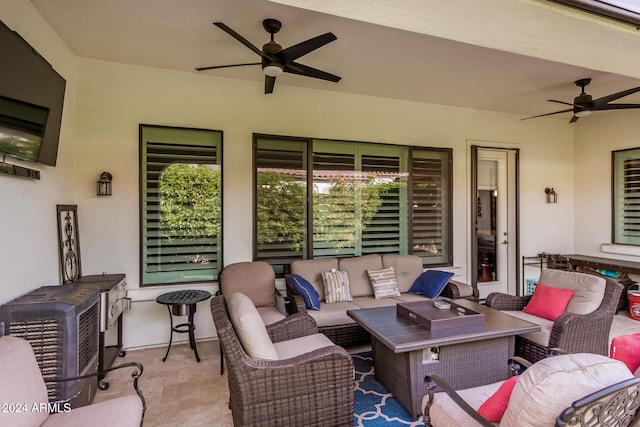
549,386
589,289
311,270
408,268
356,267
250,328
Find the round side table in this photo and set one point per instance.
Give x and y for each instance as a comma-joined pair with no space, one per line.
183,303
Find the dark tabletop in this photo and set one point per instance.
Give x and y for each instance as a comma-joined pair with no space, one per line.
190,296
402,334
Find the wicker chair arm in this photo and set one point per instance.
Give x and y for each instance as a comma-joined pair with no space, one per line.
452,290
294,326
435,381
501,301
296,302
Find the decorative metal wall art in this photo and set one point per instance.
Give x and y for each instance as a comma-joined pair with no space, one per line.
69,243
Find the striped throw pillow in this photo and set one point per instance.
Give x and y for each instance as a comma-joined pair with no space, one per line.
336,286
384,283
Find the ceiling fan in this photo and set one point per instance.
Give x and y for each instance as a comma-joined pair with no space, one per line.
275,59
584,104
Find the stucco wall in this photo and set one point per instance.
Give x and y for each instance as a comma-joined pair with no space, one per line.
107,101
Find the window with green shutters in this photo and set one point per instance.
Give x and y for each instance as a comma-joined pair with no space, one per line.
319,198
626,197
180,204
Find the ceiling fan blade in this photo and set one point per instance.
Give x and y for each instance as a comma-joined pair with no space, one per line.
548,114
614,96
304,70
269,83
241,39
574,119
226,66
615,106
562,102
294,52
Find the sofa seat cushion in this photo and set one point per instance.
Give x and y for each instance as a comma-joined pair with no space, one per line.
406,297
549,386
298,346
542,336
311,270
445,412
371,302
250,328
589,289
270,315
356,267
333,314
408,268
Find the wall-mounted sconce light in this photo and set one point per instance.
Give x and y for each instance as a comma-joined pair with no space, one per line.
104,184
552,196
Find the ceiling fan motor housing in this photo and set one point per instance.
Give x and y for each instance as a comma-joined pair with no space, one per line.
271,49
582,102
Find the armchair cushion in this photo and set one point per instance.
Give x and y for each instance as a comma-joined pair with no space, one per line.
431,283
589,289
494,407
336,286
548,302
301,345
22,383
305,289
250,328
551,384
121,411
384,283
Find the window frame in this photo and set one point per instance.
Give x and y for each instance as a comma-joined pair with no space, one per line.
618,183
447,208
176,136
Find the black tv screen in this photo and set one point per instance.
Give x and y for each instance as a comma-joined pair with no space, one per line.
31,100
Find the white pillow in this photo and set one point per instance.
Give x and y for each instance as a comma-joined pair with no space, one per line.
336,286
384,282
250,328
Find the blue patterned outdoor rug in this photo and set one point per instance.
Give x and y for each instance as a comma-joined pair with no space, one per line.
374,405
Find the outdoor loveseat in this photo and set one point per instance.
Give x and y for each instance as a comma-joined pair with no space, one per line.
332,318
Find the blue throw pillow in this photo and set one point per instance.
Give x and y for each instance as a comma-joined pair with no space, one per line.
305,290
431,283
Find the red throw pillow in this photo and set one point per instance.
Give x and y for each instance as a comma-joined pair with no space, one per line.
494,407
548,302
626,348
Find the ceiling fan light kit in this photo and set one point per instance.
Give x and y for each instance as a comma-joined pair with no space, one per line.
275,59
584,104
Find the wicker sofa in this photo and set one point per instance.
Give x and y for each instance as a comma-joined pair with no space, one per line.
332,319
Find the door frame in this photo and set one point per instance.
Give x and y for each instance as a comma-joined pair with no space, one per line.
474,147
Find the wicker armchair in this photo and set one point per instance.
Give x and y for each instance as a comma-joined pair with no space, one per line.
312,389
23,394
574,333
574,389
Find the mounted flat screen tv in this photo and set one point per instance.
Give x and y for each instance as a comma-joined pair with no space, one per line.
31,100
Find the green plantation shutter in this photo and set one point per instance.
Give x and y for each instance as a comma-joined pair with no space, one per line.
180,204
281,201
626,197
360,201
431,201
386,231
